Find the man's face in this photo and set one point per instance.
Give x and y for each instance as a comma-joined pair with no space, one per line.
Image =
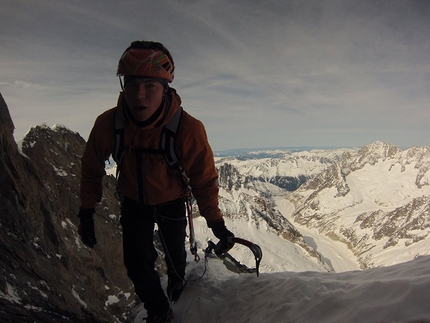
143,96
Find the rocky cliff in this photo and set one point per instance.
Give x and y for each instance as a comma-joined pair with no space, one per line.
48,275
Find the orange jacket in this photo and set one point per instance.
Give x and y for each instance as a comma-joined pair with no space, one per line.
161,183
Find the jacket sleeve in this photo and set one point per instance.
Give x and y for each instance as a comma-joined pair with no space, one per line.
97,150
198,162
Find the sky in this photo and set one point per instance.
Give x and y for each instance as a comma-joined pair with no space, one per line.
275,73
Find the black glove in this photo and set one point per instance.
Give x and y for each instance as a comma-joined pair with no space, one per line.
86,227
225,237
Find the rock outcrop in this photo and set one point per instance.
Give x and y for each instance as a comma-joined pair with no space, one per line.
48,275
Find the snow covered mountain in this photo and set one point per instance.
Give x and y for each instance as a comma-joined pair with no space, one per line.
375,199
249,187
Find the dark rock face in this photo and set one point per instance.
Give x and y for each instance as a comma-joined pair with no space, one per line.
48,275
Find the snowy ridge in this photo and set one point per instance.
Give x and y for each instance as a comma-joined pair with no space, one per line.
284,163
391,294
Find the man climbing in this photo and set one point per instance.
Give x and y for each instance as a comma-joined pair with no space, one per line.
152,191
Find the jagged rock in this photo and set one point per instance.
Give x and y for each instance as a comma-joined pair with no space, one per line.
371,154
48,275
228,177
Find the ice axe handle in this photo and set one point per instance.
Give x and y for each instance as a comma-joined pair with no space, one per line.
256,250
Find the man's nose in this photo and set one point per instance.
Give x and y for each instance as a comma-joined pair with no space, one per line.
141,91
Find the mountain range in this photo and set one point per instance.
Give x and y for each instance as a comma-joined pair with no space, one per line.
374,199
326,210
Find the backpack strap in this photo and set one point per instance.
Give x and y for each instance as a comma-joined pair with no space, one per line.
118,152
167,142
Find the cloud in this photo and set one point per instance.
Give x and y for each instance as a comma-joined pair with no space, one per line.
21,85
306,71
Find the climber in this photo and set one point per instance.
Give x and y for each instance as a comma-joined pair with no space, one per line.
151,191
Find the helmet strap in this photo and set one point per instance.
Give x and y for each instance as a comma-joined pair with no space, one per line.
121,83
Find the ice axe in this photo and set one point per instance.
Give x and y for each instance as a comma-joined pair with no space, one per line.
256,250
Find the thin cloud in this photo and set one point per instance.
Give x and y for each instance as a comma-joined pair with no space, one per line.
281,72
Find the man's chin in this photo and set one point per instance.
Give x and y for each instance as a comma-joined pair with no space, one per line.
139,115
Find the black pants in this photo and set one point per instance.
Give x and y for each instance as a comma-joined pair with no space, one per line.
140,255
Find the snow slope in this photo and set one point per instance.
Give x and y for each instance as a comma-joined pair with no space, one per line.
292,288
391,294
